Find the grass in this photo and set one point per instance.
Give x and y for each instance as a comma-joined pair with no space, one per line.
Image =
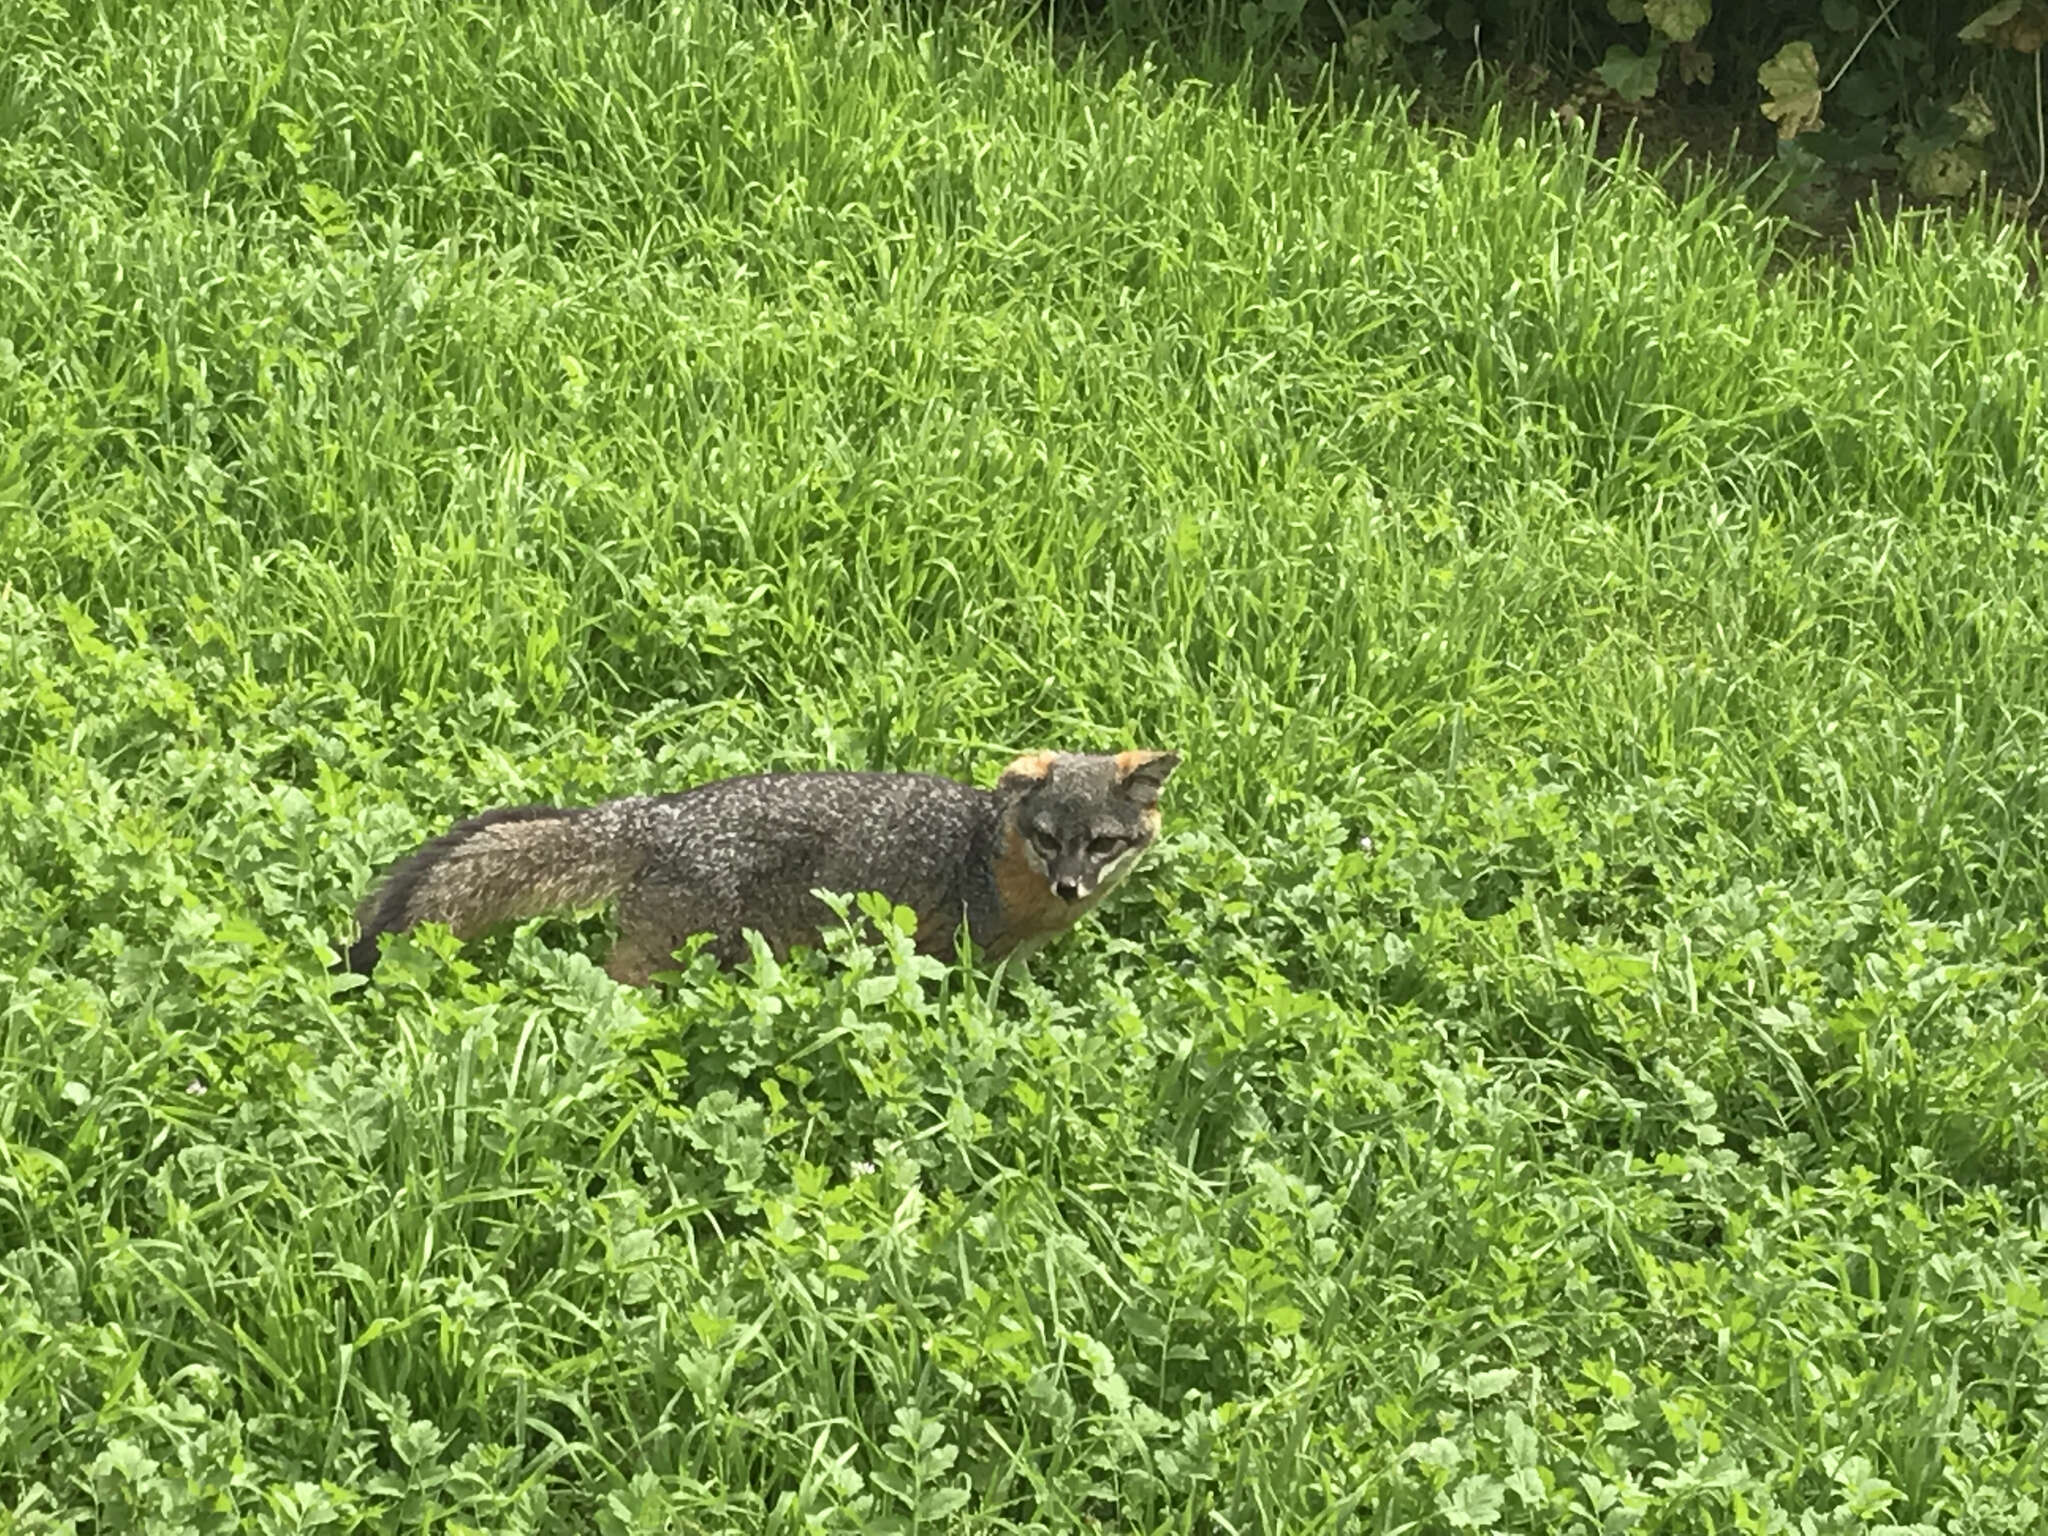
1574,1064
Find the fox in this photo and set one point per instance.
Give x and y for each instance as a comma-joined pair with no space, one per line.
1015,865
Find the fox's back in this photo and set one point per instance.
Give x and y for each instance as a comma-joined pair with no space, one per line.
749,852
826,827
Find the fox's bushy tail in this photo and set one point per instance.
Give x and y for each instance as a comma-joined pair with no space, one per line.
518,862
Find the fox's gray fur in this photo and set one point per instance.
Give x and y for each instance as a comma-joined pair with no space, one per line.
1016,864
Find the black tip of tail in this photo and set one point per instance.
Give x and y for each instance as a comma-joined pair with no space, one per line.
360,959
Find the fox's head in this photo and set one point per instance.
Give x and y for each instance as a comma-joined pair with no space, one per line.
1083,820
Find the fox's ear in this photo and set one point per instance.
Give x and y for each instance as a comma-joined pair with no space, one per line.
1142,773
1026,771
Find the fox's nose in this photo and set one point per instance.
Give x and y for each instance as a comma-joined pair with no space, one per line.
1067,888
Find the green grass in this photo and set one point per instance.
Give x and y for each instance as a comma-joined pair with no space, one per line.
1575,1063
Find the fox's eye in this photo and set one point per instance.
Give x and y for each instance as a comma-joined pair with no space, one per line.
1045,843
1103,847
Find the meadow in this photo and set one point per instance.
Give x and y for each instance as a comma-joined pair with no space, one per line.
1575,1062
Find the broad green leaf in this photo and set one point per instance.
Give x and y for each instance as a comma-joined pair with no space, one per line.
1976,115
239,930
1948,170
2021,25
1412,24
1476,1505
1441,1454
938,1503
1866,93
1792,77
1679,20
327,208
1633,76
1979,27
1484,1384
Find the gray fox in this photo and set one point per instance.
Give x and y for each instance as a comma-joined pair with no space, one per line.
1017,864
